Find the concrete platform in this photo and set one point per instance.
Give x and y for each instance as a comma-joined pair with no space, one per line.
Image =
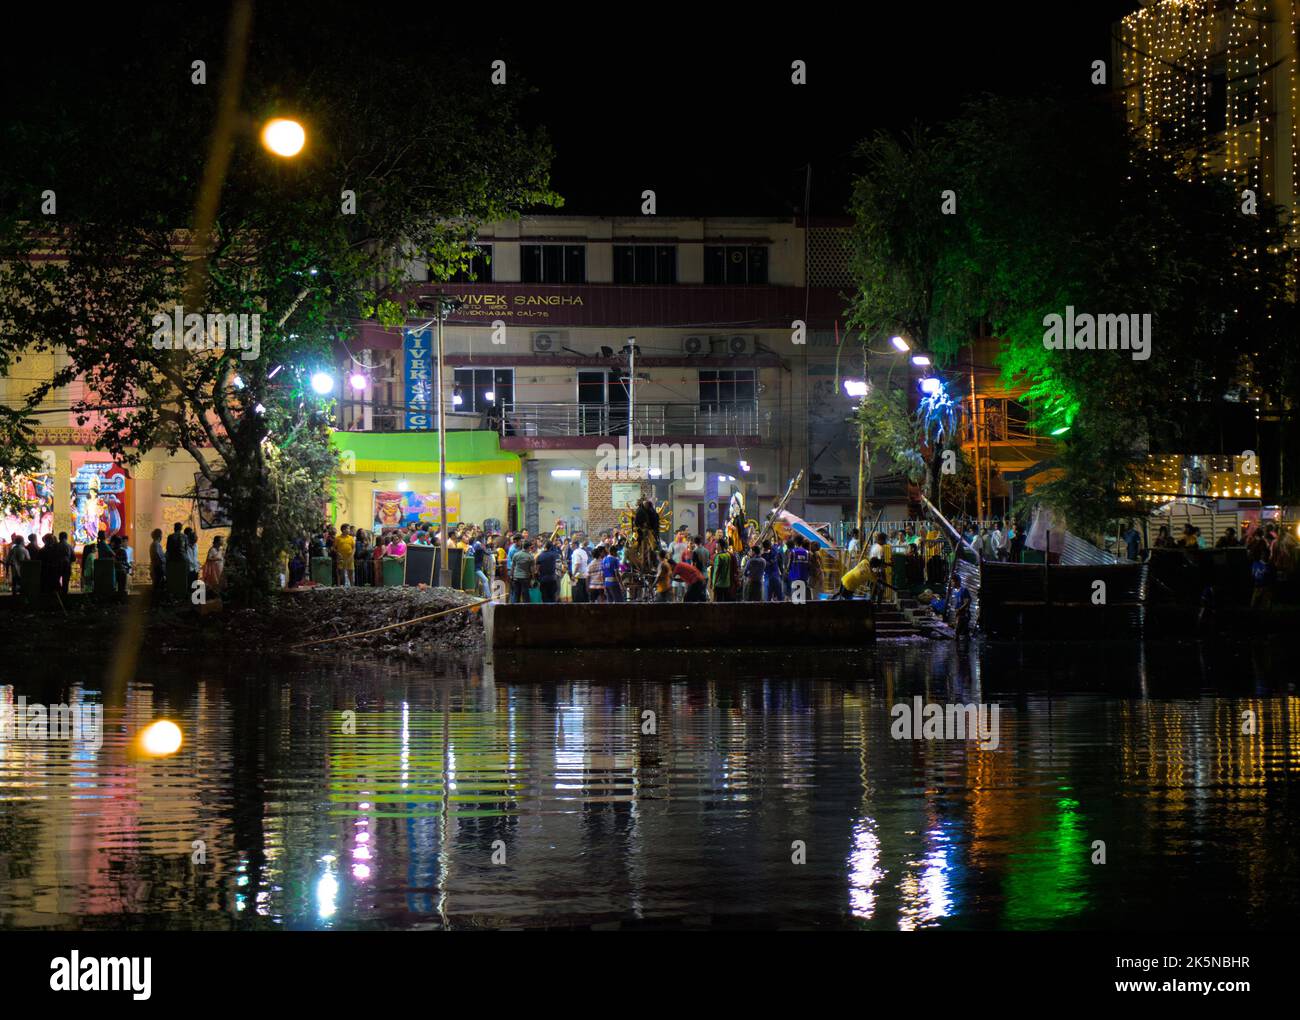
679,624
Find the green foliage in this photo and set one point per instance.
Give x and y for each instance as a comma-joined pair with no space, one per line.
430,148
1057,206
891,430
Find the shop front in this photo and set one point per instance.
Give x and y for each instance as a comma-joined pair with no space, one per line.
390,480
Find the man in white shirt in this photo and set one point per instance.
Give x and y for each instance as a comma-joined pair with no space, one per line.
578,565
997,542
17,556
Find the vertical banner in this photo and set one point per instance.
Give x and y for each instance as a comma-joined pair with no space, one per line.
419,379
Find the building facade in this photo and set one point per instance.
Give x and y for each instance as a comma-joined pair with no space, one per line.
1214,85
736,386
730,385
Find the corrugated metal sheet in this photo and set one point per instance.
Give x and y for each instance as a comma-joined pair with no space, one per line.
1039,600
1080,552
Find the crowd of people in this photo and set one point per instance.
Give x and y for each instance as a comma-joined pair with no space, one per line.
63,566
713,567
724,565
1272,554
357,556
729,564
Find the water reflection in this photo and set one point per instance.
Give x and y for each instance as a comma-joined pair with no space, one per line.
665,789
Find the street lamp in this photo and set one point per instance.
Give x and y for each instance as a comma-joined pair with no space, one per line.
284,137
900,344
322,382
631,389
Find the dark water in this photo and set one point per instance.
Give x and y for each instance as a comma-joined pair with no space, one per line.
543,762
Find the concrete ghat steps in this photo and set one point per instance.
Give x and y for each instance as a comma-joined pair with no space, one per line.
891,622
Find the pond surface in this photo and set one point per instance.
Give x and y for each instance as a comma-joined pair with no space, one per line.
661,789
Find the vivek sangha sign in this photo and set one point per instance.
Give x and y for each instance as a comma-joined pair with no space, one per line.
519,306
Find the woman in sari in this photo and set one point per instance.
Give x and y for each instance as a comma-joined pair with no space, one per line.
214,565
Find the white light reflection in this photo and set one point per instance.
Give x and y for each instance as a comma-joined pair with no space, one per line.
327,891
926,891
864,869
406,743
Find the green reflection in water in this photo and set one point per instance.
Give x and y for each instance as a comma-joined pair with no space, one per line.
1045,881
427,762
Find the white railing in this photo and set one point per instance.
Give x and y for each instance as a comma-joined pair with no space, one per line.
679,419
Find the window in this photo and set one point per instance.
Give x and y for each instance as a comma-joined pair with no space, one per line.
475,384
479,269
645,263
735,263
553,263
727,389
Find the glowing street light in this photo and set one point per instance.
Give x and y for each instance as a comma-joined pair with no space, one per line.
930,385
284,137
900,344
921,360
322,382
855,387
358,380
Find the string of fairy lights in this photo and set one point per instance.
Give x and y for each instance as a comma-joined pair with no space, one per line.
1174,54
1171,53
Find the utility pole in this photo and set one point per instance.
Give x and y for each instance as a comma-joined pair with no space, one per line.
631,389
442,455
975,433
864,458
445,307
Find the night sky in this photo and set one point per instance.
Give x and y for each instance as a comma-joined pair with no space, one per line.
699,108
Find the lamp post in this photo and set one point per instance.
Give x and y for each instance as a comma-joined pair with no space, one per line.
442,307
901,346
631,389
445,307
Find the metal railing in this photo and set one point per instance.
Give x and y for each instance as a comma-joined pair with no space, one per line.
674,419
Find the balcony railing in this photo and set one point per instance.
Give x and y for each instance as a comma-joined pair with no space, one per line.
569,420
679,419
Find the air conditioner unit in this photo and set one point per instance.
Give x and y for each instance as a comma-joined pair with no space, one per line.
740,344
545,343
695,344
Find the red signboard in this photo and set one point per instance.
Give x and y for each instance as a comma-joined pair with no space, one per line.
710,309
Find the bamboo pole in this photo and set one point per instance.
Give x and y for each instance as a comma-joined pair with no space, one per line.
391,626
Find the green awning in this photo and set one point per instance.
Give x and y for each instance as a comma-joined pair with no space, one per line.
468,453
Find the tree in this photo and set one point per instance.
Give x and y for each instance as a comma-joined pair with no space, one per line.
913,443
427,148
1056,207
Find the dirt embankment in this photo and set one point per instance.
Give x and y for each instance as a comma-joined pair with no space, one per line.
289,619
368,613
